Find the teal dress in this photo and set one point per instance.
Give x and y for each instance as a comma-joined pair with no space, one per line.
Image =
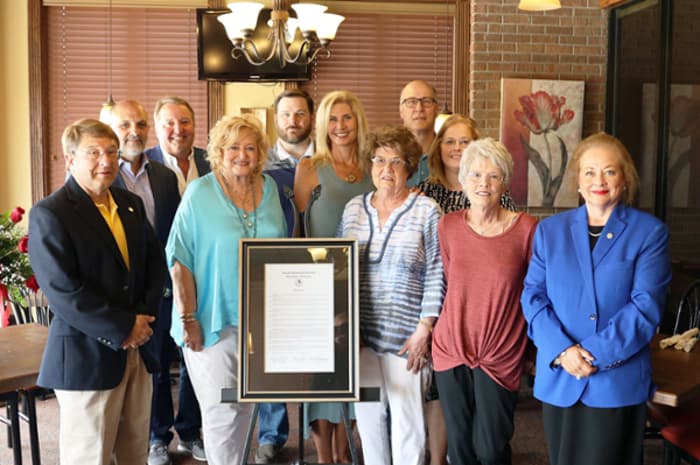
325,214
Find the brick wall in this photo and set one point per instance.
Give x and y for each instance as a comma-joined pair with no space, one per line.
565,44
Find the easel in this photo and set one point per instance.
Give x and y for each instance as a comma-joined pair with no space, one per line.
366,395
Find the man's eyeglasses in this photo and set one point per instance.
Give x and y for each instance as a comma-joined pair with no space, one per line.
94,154
381,162
412,102
491,178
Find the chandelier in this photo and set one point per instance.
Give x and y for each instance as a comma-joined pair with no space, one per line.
317,27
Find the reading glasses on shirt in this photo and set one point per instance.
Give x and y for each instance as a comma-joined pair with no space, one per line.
491,178
412,102
94,153
381,162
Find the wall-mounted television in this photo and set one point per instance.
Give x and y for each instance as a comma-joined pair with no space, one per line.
214,60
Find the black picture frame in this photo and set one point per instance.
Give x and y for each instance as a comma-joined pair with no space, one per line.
269,323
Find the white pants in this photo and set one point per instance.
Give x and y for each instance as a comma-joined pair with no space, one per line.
404,393
224,426
108,426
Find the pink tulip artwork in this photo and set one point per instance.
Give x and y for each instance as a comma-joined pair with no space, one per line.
541,125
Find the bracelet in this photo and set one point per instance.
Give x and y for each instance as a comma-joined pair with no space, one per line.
426,324
188,317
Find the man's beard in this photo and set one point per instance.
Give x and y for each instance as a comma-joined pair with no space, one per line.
294,140
132,150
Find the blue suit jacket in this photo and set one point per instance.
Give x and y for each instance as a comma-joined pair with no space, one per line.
200,158
166,198
93,295
609,300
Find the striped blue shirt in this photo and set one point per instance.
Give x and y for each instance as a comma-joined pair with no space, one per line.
401,277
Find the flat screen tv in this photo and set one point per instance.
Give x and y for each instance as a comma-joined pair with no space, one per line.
214,60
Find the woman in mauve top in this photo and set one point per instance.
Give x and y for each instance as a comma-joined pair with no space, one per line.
479,341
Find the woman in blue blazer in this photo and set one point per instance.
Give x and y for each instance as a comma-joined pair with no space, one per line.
593,298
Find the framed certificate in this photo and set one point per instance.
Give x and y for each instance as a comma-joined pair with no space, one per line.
299,320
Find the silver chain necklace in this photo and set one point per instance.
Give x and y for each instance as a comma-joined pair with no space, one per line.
247,220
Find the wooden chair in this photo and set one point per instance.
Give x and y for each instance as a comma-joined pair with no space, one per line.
681,434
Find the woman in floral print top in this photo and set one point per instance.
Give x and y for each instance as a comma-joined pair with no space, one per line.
443,162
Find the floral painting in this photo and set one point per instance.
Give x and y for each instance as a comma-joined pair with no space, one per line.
541,123
683,145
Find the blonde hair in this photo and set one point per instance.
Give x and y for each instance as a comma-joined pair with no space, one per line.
230,129
323,143
436,167
629,171
491,150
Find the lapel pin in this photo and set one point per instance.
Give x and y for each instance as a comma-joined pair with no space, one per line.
131,209
609,235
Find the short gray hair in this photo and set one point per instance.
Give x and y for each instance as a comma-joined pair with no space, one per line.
491,150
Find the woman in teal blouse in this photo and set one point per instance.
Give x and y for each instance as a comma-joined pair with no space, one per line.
234,201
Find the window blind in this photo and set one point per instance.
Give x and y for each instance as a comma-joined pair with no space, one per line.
375,55
154,54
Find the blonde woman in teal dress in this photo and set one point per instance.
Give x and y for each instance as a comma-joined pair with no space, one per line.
341,128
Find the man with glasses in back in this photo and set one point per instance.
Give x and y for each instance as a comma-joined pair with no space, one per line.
102,269
418,108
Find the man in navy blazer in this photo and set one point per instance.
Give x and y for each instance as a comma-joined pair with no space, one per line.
157,187
175,125
102,269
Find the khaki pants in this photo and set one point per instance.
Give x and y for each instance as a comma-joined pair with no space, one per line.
108,427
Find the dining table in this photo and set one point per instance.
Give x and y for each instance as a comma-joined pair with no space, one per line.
21,349
676,374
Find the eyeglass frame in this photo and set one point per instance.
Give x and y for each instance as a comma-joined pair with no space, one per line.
395,163
458,142
412,102
94,153
475,177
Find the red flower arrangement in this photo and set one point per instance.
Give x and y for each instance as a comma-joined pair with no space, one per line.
15,272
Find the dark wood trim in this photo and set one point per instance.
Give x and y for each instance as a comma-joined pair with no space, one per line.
215,102
460,83
39,151
215,89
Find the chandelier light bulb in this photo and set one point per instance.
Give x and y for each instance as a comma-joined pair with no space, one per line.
309,15
246,13
329,26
